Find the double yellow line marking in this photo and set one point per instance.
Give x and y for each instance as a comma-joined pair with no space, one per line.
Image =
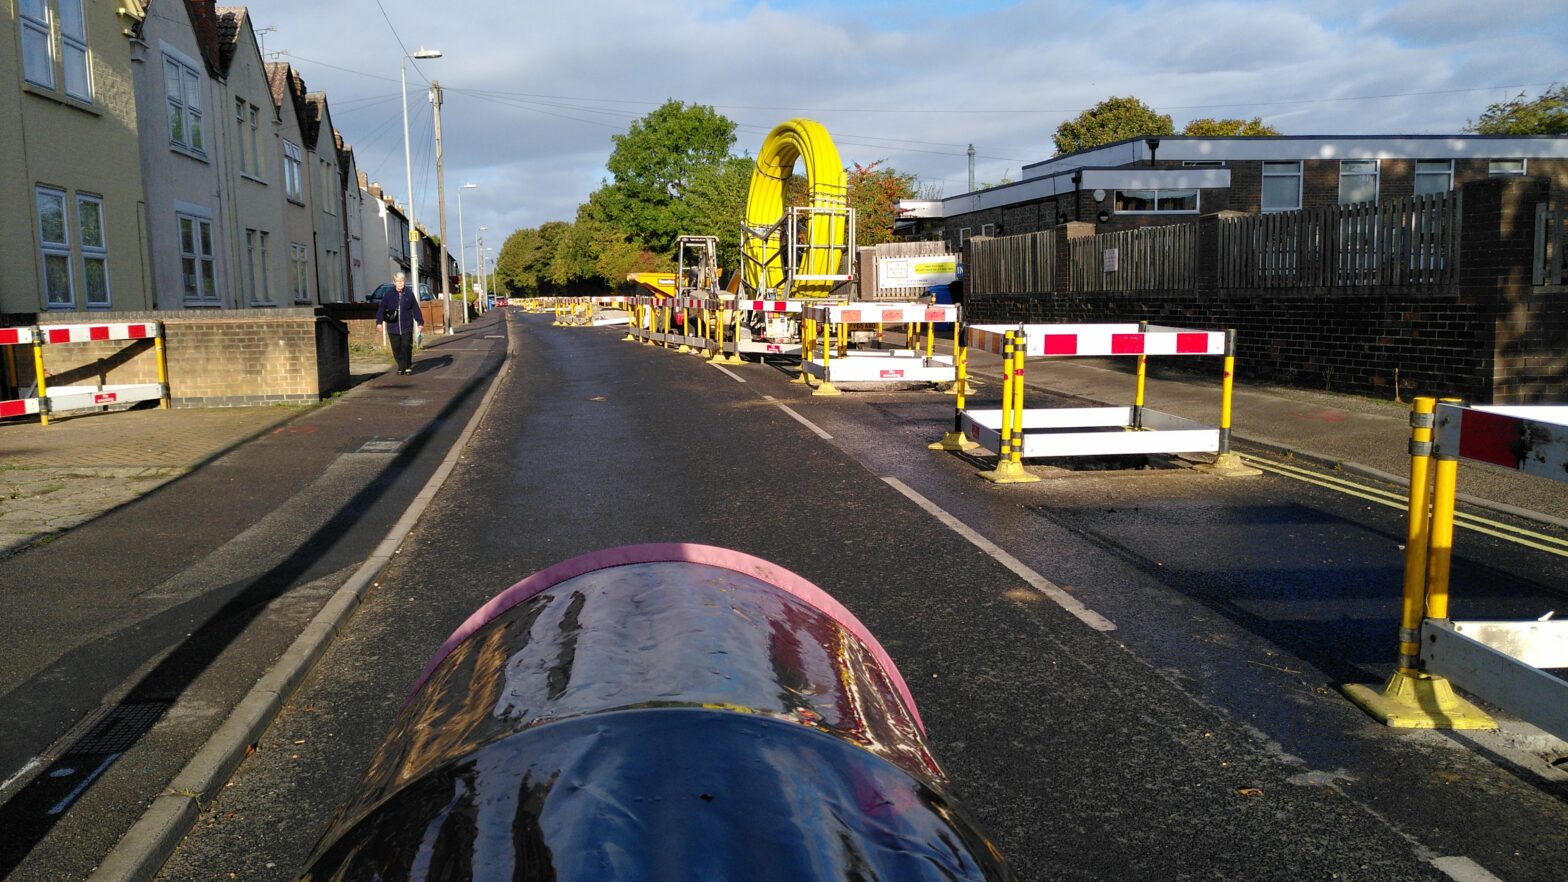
1475,523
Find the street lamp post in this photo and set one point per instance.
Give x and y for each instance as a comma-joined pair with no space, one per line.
462,248
408,164
479,258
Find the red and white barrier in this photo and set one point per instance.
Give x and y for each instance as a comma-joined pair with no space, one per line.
1042,341
876,369
1528,438
884,313
56,399
93,333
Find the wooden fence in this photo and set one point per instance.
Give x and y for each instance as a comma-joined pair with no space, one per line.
1550,266
1023,264
1408,241
1160,258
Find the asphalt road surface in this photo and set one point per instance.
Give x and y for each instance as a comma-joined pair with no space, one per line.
1181,723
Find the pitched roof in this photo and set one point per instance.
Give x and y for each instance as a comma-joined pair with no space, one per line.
229,21
204,20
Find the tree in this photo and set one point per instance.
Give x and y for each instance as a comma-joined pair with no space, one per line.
653,165
874,193
525,258
1209,127
715,205
1546,115
1114,119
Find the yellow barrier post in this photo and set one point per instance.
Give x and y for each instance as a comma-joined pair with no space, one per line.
38,375
826,387
1226,463
806,341
718,330
1411,699
955,439
1009,460
163,368
930,339
1143,376
631,324
735,335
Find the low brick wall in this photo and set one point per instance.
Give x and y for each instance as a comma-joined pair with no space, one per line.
227,358
360,319
1345,340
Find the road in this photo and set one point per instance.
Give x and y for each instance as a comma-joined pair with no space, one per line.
1176,719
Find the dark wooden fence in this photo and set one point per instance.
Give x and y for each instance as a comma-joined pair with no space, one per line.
1010,265
1550,266
1160,258
1408,241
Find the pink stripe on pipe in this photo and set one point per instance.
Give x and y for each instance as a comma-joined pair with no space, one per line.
670,552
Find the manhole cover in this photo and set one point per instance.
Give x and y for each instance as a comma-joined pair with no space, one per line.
380,446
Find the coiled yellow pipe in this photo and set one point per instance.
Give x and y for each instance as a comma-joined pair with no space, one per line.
825,233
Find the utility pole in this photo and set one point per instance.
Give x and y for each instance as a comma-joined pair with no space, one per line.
479,271
446,277
971,168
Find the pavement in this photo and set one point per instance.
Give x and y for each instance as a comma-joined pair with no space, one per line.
83,486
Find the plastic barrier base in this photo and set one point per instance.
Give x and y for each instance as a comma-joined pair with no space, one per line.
1418,701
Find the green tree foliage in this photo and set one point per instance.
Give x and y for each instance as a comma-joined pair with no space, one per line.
525,258
1114,119
653,165
1209,127
874,193
715,205
1546,115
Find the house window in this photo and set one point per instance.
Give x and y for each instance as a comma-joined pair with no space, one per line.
182,86
95,250
37,57
1357,181
299,271
1281,186
55,243
1203,163
73,50
257,282
963,237
197,261
988,229
266,268
292,159
239,134
1499,167
326,189
255,140
1156,201
1434,176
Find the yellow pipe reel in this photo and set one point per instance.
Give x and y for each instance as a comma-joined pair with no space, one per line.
826,233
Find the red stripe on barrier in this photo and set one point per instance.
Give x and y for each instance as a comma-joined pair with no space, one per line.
17,407
139,332
58,335
98,332
10,336
848,315
936,315
1489,437
1126,344
1192,343
1061,344
892,315
780,306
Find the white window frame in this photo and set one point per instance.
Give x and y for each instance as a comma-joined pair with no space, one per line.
1297,174
38,27
1203,163
191,112
1493,172
199,257
1197,200
69,42
94,251
963,236
50,248
255,141
1377,179
293,160
239,134
266,268
1447,174
326,190
988,229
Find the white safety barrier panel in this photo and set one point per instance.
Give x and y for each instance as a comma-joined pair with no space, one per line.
1016,433
1504,662
47,399
875,368
746,326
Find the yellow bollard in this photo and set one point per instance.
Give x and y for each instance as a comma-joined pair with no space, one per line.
163,368
955,439
1009,460
1226,463
1411,699
38,376
930,339
1143,374
826,387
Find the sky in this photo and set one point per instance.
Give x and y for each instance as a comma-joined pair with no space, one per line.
534,91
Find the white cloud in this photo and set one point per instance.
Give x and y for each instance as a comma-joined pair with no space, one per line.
536,90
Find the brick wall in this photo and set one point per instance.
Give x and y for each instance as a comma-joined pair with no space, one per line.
360,319
1489,337
224,358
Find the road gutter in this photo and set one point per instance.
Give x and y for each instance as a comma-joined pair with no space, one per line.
142,851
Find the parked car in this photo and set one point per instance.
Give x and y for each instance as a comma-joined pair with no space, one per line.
382,289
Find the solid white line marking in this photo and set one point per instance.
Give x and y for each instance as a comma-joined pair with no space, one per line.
1463,869
800,419
92,776
731,374
1020,569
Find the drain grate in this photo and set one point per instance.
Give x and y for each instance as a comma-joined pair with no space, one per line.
114,728
380,446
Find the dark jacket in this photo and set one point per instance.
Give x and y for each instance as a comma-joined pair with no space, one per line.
400,313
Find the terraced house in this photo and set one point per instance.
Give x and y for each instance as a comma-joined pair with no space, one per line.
72,202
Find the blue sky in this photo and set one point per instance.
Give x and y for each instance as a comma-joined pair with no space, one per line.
535,90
